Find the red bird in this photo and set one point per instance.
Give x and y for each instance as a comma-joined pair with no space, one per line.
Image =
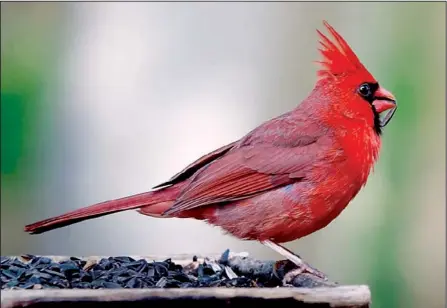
287,178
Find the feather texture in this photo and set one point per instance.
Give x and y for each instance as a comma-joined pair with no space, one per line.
287,178
338,57
245,172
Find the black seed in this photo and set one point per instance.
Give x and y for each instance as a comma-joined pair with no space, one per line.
132,273
55,267
207,280
122,271
132,265
12,283
69,267
85,277
17,263
122,280
28,285
111,285
215,267
78,262
172,266
53,273
182,277
151,270
208,270
173,284
215,283
40,266
105,264
9,274
142,266
139,283
81,285
200,271
239,282
186,285
124,259
35,279
97,284
225,256
44,260
75,259
133,283
21,273
59,283
160,269
96,274
192,278
43,276
27,274
162,282
97,267
4,260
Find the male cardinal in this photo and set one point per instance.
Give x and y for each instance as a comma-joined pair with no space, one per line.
287,178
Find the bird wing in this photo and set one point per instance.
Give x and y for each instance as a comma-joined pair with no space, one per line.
283,131
196,165
245,172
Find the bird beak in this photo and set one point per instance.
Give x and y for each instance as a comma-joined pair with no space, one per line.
385,104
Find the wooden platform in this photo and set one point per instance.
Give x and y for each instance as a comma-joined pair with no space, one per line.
339,296
344,296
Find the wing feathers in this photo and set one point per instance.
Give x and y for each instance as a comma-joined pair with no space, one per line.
196,165
245,172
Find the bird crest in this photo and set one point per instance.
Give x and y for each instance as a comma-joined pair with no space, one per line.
338,58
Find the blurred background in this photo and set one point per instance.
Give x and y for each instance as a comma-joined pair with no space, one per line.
104,100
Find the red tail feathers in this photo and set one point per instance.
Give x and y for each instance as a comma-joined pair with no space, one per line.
99,209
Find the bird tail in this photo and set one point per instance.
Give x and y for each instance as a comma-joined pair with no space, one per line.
104,208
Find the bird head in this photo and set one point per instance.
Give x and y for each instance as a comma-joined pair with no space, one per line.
354,92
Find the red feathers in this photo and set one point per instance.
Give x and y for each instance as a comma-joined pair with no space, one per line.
245,172
338,57
288,177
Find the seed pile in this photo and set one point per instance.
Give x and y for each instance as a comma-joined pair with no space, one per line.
124,272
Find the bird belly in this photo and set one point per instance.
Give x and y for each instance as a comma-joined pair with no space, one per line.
282,215
266,216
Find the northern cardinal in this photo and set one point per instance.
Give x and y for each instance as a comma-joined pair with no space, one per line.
287,178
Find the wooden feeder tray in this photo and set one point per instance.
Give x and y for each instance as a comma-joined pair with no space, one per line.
235,285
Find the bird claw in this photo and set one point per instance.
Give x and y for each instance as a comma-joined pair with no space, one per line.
300,278
304,275
294,258
287,281
307,268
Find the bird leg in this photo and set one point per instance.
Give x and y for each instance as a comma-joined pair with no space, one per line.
302,266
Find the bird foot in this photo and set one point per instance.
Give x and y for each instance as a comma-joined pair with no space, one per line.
304,275
287,281
290,267
305,267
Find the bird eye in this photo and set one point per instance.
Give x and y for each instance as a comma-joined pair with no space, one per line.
365,90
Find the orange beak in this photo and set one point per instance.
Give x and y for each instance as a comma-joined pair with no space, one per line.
384,101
